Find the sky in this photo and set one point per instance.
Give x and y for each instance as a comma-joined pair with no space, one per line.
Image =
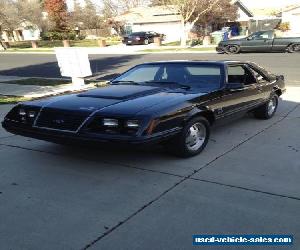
256,4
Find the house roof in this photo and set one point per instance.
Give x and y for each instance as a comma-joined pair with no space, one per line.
291,7
247,11
155,14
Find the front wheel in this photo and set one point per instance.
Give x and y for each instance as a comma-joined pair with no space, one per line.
146,42
232,49
293,48
267,110
192,140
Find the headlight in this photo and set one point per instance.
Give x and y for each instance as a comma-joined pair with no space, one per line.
22,112
132,124
31,114
111,123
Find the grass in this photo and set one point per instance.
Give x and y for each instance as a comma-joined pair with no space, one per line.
51,44
179,49
12,99
176,43
28,50
38,81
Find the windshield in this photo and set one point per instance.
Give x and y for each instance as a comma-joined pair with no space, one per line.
202,76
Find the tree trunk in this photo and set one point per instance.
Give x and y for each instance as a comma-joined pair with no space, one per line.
66,43
183,33
34,44
102,43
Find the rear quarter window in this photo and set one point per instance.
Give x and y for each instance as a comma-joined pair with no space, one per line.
196,70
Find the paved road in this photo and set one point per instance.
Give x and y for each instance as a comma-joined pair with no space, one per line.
106,65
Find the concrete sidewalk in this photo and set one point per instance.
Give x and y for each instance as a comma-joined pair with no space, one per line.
122,49
11,89
39,91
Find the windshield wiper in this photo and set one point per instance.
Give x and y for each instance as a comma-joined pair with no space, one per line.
183,86
130,82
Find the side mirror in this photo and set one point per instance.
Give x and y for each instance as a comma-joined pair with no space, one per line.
249,38
234,86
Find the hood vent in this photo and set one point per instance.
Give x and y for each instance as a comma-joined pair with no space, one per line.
120,92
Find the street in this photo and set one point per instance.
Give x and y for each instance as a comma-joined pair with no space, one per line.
45,65
245,182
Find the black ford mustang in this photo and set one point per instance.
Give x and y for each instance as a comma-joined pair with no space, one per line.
173,103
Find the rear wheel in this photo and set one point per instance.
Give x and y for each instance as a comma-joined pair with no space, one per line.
267,110
232,49
293,48
192,140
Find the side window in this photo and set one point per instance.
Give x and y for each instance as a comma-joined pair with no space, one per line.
240,74
260,78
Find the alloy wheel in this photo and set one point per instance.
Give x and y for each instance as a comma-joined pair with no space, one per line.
272,106
195,136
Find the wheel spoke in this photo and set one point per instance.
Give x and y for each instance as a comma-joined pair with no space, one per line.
195,136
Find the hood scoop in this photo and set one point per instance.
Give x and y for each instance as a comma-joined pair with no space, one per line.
120,92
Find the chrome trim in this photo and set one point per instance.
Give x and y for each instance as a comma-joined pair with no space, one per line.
239,109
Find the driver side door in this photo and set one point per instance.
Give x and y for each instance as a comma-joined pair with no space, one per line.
258,42
237,101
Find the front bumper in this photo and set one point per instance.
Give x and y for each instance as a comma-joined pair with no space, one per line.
220,49
134,42
85,137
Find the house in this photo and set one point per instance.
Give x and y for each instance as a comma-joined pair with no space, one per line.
291,15
161,19
166,20
256,19
25,32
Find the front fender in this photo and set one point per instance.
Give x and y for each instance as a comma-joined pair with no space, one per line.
201,111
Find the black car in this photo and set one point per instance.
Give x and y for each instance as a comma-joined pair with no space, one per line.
261,41
174,103
139,38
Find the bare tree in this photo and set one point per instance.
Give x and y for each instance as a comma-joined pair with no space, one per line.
86,16
126,5
190,12
15,12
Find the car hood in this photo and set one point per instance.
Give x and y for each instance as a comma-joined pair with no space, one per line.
113,99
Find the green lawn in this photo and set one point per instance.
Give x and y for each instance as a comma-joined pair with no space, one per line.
180,49
12,99
52,44
38,81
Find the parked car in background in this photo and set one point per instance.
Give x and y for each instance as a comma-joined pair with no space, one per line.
261,41
139,38
173,103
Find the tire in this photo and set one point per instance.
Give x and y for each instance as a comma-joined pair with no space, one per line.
183,147
267,110
293,48
146,42
232,49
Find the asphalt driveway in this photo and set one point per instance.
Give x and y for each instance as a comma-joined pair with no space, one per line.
246,181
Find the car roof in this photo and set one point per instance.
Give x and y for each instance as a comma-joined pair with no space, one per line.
217,62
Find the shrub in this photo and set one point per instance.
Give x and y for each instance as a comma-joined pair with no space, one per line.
196,42
284,26
55,35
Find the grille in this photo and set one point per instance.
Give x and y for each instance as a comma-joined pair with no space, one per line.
59,120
